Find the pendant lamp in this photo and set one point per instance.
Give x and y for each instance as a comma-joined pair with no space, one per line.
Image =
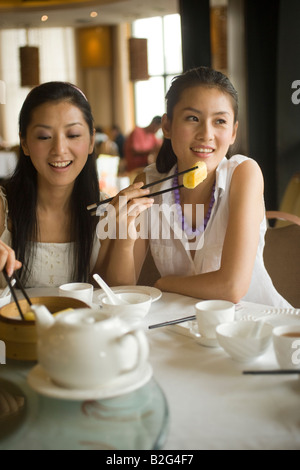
138,56
30,66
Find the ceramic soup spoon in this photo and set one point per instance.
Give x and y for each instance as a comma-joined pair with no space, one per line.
110,294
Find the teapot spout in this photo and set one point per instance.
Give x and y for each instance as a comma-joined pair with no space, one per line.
44,319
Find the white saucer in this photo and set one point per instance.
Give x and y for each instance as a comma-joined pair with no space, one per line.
208,342
189,329
154,293
39,380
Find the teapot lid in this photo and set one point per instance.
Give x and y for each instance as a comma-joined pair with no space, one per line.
84,317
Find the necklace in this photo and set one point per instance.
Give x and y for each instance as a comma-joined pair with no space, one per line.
190,231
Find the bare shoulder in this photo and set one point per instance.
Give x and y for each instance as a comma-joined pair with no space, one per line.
248,167
248,172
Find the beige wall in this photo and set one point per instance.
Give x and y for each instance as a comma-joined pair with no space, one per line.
97,85
107,85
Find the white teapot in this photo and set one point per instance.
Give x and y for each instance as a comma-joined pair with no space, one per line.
86,348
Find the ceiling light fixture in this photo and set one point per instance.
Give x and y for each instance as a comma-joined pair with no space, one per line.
44,18
93,14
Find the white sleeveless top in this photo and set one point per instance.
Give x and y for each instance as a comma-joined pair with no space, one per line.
171,253
53,262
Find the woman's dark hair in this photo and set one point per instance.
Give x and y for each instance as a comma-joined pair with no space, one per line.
200,76
21,188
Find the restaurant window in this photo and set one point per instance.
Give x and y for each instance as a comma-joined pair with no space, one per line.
163,36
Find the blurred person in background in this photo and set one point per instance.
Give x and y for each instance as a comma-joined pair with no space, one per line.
118,137
142,145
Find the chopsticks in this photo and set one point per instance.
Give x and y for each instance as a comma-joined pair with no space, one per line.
172,322
12,290
272,372
105,201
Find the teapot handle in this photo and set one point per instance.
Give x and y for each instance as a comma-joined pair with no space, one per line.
134,340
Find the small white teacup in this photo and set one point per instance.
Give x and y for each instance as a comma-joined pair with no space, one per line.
77,290
286,343
211,313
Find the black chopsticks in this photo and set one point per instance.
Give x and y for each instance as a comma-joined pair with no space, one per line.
12,290
106,201
272,372
172,322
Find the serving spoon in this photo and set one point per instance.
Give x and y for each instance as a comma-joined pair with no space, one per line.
110,293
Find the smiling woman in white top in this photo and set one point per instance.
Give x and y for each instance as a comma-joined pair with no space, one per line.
43,206
220,257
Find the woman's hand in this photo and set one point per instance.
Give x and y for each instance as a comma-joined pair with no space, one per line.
118,235
119,220
8,259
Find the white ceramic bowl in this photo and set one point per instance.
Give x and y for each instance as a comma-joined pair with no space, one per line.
244,340
137,308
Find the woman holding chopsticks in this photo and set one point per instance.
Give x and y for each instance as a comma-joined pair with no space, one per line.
43,215
219,256
8,259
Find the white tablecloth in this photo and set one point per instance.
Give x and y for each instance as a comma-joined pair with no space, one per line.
8,161
211,404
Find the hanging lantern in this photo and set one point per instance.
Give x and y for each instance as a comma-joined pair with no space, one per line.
30,66
138,54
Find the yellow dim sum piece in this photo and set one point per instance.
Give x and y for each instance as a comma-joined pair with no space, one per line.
30,316
195,177
63,311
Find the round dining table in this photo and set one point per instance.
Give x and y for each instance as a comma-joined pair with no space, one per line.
197,397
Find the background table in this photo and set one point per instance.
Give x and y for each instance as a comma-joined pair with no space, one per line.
8,161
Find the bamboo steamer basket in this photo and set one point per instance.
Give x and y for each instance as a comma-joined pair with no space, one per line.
19,335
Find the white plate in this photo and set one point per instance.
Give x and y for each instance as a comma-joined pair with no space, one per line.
276,316
152,291
39,380
281,311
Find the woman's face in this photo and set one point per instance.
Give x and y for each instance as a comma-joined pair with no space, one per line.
202,127
58,142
